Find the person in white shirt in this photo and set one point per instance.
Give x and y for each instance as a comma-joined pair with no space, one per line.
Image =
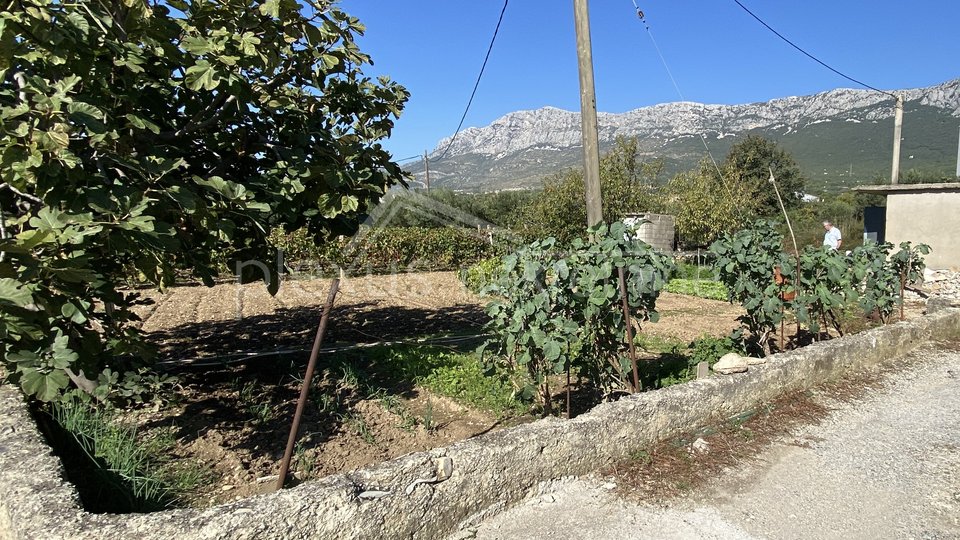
832,237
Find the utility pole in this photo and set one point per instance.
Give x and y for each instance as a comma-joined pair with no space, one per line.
426,167
897,127
958,158
588,115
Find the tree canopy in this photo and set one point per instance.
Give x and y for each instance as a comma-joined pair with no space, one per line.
706,206
143,138
750,161
627,185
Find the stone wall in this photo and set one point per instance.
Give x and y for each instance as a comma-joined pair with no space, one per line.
488,472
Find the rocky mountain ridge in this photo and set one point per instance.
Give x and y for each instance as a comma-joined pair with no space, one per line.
524,145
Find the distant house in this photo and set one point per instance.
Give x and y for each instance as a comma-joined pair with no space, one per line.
920,213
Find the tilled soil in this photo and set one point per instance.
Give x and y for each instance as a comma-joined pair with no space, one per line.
230,318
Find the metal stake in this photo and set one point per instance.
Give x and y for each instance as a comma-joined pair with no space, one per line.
629,321
305,388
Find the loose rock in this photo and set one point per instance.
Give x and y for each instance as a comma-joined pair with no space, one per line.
700,446
731,363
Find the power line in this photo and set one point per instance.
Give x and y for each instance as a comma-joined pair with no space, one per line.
676,87
418,156
812,57
477,84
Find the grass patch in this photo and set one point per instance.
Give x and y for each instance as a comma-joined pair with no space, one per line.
456,375
113,470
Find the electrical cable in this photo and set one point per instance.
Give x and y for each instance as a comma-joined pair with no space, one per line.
477,84
418,156
676,87
810,56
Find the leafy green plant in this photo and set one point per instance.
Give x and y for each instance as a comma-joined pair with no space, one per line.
876,280
907,263
304,463
709,349
833,289
745,263
712,290
555,311
255,404
825,288
478,276
428,422
162,137
358,424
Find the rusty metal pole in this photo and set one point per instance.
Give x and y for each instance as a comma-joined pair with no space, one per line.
629,321
305,389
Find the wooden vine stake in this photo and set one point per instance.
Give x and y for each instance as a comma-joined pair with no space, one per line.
629,323
796,249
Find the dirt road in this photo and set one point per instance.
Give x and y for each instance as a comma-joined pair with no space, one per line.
884,466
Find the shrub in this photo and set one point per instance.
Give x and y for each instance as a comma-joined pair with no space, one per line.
830,288
709,349
555,311
386,250
480,275
746,262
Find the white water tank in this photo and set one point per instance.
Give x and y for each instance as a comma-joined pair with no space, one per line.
658,230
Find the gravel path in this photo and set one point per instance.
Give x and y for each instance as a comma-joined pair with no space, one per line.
884,466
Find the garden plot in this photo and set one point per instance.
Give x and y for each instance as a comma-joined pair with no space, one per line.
226,426
229,318
220,433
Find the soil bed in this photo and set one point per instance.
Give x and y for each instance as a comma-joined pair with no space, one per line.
230,424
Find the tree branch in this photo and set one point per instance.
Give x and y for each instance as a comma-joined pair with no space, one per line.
22,84
17,192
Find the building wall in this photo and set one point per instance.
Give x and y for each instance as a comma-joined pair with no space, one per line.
658,230
930,218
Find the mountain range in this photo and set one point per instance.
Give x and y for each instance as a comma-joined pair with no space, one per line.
840,138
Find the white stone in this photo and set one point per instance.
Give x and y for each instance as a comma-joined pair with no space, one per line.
731,363
753,361
700,445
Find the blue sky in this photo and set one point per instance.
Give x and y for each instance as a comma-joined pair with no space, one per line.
716,51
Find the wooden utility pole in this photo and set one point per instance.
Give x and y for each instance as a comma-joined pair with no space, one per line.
426,168
958,159
588,115
897,127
